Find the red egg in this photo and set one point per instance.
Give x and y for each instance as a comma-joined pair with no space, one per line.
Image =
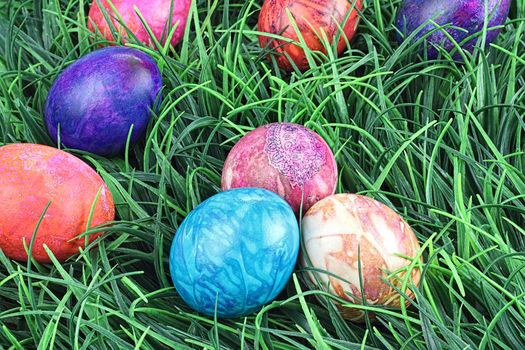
33,176
312,18
156,14
358,241
285,158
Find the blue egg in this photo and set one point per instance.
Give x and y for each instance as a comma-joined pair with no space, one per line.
235,251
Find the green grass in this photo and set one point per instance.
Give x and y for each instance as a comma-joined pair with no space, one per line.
441,142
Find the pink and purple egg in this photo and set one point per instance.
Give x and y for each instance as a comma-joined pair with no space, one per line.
465,18
285,158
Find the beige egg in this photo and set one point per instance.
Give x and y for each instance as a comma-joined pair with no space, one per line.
343,227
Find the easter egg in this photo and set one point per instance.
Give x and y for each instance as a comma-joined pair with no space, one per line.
235,251
285,158
97,100
35,176
335,19
156,13
343,229
466,17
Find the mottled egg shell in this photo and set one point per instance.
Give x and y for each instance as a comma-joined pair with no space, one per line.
96,100
284,158
237,248
156,14
468,15
33,176
333,231
312,18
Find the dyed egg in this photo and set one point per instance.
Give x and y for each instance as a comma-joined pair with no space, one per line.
343,227
97,100
32,176
285,158
467,16
312,18
236,250
156,14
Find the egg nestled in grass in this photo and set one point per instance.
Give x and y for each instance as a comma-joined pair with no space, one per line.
103,99
285,158
36,177
464,18
161,16
335,20
235,252
357,241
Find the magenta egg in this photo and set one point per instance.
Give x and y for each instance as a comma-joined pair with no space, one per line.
286,158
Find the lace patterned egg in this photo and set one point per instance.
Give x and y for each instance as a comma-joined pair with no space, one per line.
285,158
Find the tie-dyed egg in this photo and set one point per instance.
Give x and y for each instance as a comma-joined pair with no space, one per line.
33,176
335,19
466,18
342,228
156,14
286,158
235,252
96,101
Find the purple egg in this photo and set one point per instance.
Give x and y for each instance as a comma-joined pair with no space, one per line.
467,15
97,100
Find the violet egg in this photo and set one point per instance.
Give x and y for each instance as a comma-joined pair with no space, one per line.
96,101
466,18
285,158
357,241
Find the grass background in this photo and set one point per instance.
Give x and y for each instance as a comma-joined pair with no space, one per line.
442,142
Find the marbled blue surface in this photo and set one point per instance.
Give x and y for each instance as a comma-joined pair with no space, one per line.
239,247
99,97
468,15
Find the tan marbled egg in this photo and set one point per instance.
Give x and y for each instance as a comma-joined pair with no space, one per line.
342,227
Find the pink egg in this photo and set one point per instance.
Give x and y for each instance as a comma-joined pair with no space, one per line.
156,14
285,158
342,228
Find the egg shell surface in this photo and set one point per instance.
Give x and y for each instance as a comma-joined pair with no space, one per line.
285,158
312,18
96,100
33,176
238,248
156,14
342,228
467,15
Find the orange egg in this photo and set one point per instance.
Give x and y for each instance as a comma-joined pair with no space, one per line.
312,17
33,176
